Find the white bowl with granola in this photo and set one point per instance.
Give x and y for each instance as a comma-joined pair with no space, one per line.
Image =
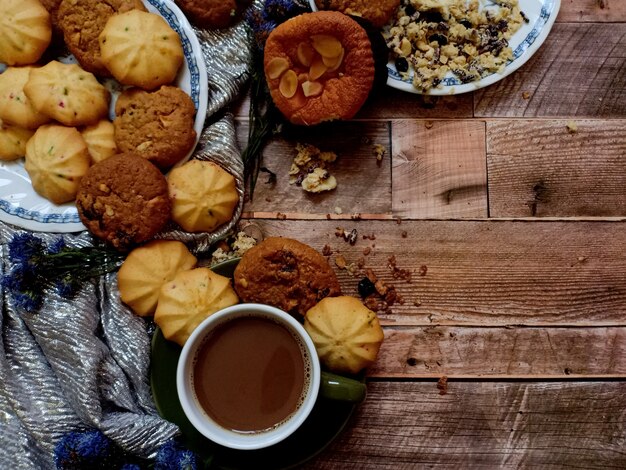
446,47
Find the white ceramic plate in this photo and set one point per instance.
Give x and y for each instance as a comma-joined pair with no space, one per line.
22,206
525,42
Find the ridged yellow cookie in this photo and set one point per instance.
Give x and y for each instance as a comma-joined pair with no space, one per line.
25,31
56,160
15,107
347,335
141,49
188,299
204,196
13,141
147,268
100,140
67,93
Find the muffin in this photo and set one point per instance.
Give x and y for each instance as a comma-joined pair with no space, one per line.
319,67
188,299
347,335
25,31
204,196
377,12
67,93
213,14
100,140
13,141
147,268
123,200
82,21
285,273
141,49
15,107
156,125
56,160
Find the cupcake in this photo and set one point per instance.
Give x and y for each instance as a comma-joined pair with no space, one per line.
319,67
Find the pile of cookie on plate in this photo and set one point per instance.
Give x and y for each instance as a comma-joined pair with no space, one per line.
56,114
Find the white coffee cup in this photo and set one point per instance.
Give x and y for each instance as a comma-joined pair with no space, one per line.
204,423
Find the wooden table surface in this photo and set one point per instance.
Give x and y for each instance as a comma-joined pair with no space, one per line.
512,226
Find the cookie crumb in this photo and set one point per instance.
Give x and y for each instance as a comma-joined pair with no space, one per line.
379,152
526,95
309,169
405,234
572,127
326,251
338,210
428,124
340,261
442,385
367,250
423,270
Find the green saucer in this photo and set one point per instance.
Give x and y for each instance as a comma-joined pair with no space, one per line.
323,425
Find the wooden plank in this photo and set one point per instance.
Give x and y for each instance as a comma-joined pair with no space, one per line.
491,273
439,169
539,168
484,425
592,11
363,183
466,352
389,103
580,71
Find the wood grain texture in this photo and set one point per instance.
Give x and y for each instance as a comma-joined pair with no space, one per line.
439,169
501,352
492,273
484,425
363,183
592,11
390,103
580,71
538,168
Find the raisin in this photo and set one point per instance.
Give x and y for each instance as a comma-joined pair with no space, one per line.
366,287
431,16
402,65
439,38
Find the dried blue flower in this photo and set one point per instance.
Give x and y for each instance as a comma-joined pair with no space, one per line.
260,27
57,246
36,267
26,249
29,301
67,286
85,450
130,466
281,10
172,456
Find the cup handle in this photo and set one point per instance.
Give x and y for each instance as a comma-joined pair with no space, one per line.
337,387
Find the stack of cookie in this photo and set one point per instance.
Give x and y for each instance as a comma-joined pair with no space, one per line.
56,115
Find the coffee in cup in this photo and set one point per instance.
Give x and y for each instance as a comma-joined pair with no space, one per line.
248,376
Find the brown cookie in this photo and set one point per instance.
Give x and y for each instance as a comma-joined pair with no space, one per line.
82,21
213,14
123,200
156,125
285,273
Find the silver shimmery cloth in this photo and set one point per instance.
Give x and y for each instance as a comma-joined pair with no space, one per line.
84,363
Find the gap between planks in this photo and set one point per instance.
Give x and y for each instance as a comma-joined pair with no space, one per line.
383,217
398,377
